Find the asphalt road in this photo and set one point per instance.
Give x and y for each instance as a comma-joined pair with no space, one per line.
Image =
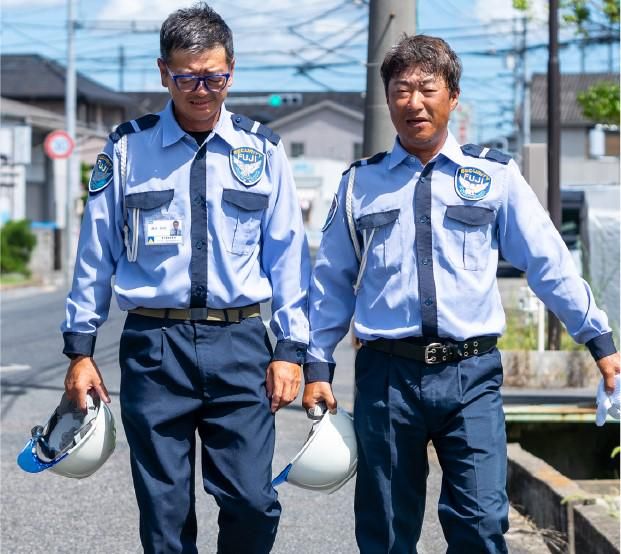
48,513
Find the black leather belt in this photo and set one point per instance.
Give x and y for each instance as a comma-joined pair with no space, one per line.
433,351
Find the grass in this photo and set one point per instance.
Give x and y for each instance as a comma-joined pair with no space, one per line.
14,279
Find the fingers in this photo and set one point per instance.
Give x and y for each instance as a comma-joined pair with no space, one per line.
317,392
283,384
609,367
83,376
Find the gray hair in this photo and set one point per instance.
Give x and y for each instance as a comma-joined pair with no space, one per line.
431,55
195,29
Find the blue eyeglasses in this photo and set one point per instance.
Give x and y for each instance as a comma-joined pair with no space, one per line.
190,83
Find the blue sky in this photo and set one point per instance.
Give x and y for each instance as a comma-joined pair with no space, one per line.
274,37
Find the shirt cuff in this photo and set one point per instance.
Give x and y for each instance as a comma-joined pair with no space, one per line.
78,344
290,351
601,346
318,371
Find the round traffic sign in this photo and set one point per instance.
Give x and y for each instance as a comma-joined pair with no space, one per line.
58,145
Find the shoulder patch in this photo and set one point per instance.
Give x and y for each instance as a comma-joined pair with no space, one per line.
251,126
134,126
376,158
101,175
478,151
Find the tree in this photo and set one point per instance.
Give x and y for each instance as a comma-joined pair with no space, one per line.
600,102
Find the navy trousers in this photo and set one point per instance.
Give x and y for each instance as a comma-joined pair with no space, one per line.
182,377
400,406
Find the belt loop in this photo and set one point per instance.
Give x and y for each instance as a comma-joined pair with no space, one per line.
240,314
167,314
226,315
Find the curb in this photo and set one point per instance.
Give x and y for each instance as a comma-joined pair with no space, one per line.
555,502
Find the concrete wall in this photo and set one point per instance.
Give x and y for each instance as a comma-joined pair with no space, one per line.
548,498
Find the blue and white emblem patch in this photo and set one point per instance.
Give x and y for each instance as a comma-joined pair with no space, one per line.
101,175
471,183
247,165
331,213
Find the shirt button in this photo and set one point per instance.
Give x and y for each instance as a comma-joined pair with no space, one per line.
422,180
424,219
199,244
200,290
198,200
429,301
426,261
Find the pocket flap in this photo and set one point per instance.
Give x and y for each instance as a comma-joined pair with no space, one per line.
149,200
246,200
470,215
378,219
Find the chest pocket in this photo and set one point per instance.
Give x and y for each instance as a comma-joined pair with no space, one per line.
243,212
142,206
469,236
381,241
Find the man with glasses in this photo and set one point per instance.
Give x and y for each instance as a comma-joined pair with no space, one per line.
410,250
194,353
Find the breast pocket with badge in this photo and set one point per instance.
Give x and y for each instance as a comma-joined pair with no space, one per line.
381,238
147,223
243,212
470,235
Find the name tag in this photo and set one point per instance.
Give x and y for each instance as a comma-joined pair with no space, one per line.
164,231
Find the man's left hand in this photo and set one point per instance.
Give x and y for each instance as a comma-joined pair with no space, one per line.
283,383
609,367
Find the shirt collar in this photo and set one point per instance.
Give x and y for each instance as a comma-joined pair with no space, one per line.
450,149
224,128
172,131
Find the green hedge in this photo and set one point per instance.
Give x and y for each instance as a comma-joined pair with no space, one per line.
16,244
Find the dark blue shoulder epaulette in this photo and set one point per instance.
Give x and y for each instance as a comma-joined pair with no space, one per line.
134,126
248,125
376,158
477,151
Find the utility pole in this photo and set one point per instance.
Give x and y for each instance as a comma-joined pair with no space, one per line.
121,68
554,150
70,121
388,20
525,86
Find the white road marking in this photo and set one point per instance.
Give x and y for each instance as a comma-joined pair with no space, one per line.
14,367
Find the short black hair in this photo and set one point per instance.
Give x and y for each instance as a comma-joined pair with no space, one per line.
195,29
431,54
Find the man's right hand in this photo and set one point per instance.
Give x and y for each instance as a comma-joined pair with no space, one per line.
319,391
82,376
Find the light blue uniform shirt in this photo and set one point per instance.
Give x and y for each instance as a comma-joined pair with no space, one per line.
432,260
241,242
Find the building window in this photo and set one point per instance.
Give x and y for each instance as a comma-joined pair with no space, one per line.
357,150
297,149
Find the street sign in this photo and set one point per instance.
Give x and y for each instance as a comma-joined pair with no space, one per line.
58,145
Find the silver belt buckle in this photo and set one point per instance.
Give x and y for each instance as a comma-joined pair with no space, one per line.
430,353
199,313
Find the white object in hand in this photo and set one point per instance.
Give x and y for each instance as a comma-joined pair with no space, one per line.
608,403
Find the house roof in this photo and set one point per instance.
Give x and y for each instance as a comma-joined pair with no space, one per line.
30,77
311,109
40,118
258,105
571,85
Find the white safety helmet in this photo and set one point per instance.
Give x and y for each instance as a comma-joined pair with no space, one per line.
328,458
72,443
